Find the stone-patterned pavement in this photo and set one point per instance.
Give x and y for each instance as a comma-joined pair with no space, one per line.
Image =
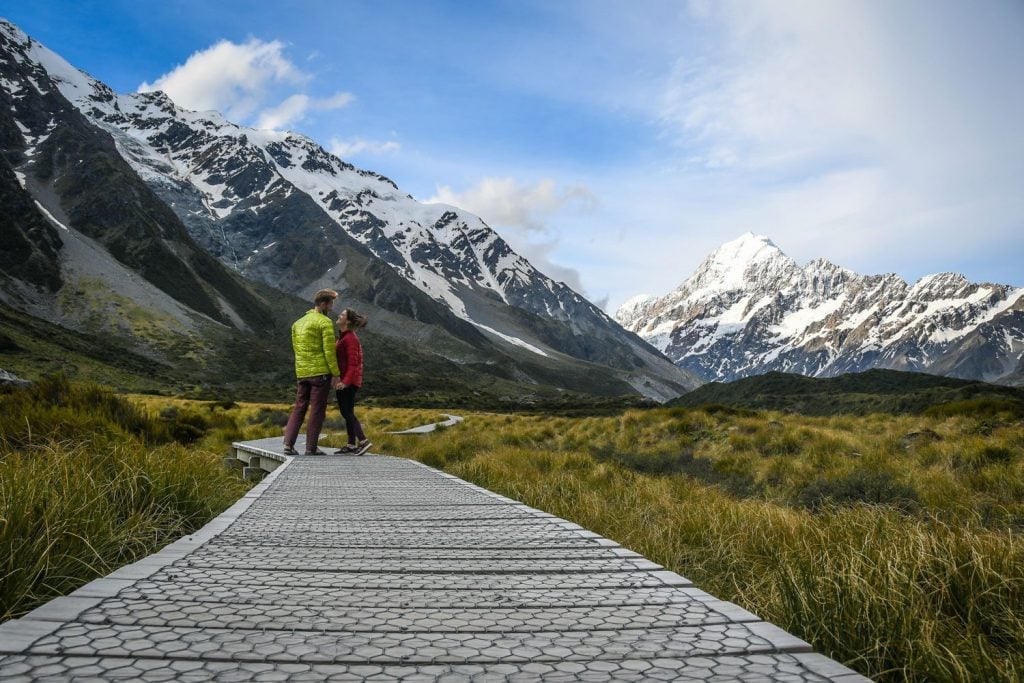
378,568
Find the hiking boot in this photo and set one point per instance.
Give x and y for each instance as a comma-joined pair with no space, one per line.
363,446
288,450
316,452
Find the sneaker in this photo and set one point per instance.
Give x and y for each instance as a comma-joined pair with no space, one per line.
316,452
347,449
363,446
288,450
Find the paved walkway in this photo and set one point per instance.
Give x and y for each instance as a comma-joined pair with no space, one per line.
426,429
378,568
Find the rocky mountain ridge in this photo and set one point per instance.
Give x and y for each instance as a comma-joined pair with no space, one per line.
276,209
750,309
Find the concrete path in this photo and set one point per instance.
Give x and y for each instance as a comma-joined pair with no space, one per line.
379,568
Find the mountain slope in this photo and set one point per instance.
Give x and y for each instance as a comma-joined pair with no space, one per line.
128,209
276,207
750,309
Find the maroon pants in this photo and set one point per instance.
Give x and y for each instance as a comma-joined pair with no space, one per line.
310,393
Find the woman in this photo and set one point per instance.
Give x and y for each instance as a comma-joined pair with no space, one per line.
350,362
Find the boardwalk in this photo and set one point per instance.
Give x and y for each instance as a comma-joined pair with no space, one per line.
378,568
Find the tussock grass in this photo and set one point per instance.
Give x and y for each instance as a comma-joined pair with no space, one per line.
892,544
90,481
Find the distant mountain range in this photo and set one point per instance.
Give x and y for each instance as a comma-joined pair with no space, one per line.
177,235
749,309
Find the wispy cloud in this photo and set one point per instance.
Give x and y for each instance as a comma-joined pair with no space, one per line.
507,202
884,136
231,78
294,108
780,82
239,81
345,149
522,214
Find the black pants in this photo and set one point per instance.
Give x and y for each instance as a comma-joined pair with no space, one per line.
347,406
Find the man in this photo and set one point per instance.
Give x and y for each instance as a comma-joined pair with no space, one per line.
316,370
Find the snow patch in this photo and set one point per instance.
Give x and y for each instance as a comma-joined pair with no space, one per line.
513,340
50,216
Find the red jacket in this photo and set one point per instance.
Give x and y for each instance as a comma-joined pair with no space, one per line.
350,358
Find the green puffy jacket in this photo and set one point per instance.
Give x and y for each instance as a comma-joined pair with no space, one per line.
313,343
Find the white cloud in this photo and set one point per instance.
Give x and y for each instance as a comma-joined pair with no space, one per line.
883,136
336,101
229,77
293,109
289,111
506,202
344,149
521,213
539,254
238,79
784,81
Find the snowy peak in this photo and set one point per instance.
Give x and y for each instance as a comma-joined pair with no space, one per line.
739,264
944,286
745,250
634,309
750,309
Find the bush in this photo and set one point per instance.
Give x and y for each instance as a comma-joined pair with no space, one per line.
782,442
859,486
55,409
996,454
978,407
663,462
720,410
270,417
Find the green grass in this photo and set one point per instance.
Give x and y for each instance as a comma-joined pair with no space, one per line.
900,556
90,481
891,543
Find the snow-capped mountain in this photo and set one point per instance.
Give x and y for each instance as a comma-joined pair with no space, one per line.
750,309
276,208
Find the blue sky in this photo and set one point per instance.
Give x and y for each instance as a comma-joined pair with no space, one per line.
616,143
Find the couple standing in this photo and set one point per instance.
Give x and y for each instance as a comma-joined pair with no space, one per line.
322,363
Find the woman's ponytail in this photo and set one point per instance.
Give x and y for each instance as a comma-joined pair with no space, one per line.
356,321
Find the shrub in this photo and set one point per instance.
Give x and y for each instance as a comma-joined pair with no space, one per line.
55,409
978,407
662,462
720,410
270,417
777,442
997,454
859,486
225,404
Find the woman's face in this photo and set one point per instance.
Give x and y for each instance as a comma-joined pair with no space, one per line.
343,320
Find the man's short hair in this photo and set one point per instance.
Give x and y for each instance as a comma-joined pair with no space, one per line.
324,295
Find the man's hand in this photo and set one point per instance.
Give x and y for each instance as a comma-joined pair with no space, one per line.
338,383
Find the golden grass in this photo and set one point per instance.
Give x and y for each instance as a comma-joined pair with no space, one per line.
889,543
89,483
924,581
